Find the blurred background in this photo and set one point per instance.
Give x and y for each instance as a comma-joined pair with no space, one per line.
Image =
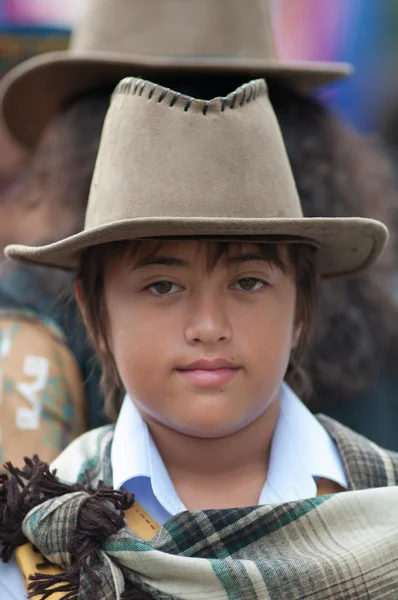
362,32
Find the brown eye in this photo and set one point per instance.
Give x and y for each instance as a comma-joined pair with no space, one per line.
250,284
164,288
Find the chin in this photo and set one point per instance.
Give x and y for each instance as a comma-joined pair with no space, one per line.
208,428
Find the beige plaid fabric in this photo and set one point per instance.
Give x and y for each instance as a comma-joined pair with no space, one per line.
336,547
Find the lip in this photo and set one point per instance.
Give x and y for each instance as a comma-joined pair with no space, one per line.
210,364
209,373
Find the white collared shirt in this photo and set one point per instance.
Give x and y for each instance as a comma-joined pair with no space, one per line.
301,451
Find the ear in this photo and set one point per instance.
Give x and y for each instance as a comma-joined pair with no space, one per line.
298,328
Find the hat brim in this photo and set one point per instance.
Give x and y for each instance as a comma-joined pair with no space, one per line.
33,92
345,246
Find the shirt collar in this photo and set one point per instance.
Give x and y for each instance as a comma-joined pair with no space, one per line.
134,454
301,451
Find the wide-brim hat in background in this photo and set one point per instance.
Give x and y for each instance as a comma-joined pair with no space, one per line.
222,171
146,38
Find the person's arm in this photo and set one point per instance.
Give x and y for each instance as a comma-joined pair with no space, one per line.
11,582
42,398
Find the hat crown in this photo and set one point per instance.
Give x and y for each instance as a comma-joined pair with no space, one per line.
171,166
180,29
164,155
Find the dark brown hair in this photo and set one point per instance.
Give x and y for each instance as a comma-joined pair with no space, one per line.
90,276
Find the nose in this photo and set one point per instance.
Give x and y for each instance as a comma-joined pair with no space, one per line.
208,321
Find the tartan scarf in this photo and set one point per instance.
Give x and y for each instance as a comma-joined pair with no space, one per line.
337,547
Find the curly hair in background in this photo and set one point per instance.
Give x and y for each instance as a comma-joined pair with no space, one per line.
340,174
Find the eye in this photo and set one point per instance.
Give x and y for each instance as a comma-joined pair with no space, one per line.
164,288
249,284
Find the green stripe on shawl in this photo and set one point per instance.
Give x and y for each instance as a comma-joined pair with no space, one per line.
236,581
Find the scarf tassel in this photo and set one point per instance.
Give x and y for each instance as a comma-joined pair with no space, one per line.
43,586
101,515
21,490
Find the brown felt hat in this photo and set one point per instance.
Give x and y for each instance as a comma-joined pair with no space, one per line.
170,166
146,38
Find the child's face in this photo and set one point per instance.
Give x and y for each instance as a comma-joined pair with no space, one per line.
168,309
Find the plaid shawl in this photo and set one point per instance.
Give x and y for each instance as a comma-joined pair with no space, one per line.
337,547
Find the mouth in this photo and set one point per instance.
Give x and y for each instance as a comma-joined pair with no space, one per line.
209,374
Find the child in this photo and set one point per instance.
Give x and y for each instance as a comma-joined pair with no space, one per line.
197,278
336,172
190,45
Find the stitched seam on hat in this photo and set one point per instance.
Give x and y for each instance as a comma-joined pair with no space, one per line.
248,92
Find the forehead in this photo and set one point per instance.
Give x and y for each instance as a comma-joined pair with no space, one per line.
210,251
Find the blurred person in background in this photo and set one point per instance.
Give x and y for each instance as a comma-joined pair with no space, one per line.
388,127
10,167
55,105
25,30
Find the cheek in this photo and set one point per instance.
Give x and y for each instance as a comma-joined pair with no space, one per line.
140,343
267,332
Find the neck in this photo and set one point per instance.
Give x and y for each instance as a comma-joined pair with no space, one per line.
221,472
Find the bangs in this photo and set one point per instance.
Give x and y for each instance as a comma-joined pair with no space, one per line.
278,252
